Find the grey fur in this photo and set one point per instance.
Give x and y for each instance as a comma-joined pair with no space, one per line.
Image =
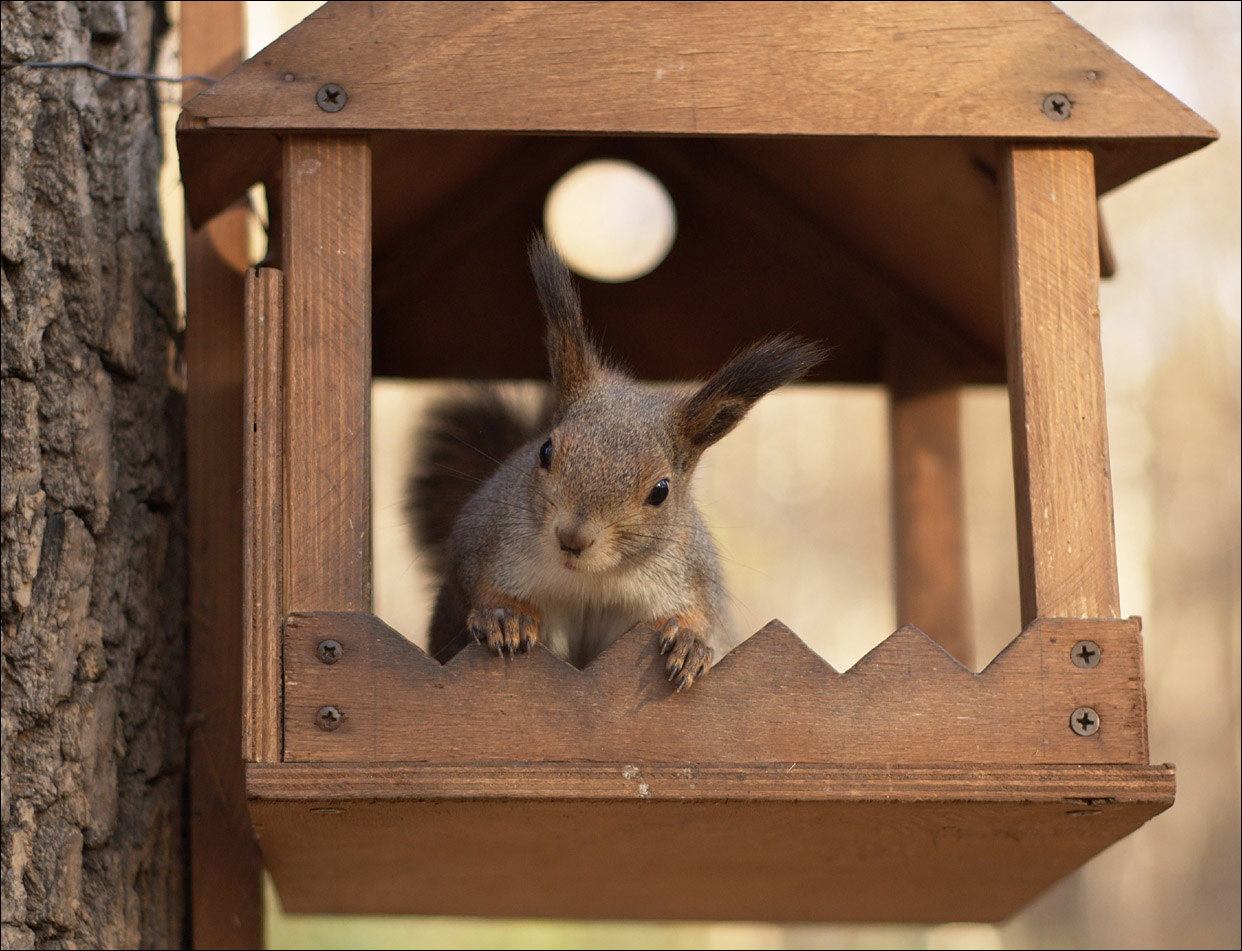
576,553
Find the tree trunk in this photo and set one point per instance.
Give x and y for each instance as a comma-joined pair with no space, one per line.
93,558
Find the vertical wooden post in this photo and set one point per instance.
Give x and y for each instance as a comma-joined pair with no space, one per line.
263,500
326,254
929,515
225,903
1066,549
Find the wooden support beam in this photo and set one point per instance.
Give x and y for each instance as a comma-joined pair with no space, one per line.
263,500
1066,550
929,511
326,252
225,900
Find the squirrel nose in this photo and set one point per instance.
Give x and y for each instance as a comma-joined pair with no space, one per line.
575,540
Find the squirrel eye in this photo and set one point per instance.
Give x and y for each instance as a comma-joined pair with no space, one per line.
545,455
659,493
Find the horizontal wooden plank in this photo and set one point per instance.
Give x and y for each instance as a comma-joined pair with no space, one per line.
770,700
887,844
774,69
777,68
1073,785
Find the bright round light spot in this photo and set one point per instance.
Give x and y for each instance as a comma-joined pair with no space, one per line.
610,220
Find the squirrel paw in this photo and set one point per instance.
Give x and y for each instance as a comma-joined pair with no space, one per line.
505,628
689,656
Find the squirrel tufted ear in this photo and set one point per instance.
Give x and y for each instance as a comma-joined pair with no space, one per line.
574,361
719,404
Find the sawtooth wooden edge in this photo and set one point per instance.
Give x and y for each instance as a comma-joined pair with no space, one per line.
770,700
263,599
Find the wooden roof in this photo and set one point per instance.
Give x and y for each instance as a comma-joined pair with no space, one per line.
843,138
775,68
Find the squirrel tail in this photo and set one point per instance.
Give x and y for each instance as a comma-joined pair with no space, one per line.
465,438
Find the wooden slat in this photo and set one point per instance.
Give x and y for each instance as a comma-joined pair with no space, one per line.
262,504
225,901
770,700
777,842
929,513
326,253
1077,786
1066,550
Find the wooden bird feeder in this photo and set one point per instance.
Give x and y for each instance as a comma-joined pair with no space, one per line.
913,183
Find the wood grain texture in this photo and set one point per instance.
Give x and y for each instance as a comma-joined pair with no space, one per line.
263,517
929,513
900,69
1066,549
770,700
326,253
779,842
226,907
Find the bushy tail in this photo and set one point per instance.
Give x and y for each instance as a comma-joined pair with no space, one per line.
464,440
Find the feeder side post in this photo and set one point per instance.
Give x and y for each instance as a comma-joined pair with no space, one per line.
326,256
1066,549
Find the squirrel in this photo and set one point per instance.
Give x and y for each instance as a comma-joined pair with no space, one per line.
570,527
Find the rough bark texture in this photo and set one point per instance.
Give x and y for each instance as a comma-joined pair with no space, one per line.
93,555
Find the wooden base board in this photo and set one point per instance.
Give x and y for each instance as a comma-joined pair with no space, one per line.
774,842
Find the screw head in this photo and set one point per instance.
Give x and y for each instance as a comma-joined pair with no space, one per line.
1085,654
1084,721
1057,106
329,651
331,97
328,718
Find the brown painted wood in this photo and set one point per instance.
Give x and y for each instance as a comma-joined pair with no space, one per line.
326,253
773,842
262,502
225,901
1066,549
770,700
929,512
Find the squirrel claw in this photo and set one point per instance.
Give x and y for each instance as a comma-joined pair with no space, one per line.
668,635
689,656
505,630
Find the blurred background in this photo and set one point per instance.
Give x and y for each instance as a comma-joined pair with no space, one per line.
808,472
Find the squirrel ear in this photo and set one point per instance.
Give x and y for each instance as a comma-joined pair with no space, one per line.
574,361
719,404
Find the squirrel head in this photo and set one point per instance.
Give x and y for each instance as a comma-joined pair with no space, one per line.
615,470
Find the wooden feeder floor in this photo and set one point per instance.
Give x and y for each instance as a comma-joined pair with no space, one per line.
526,787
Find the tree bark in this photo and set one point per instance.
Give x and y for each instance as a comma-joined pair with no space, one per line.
93,563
